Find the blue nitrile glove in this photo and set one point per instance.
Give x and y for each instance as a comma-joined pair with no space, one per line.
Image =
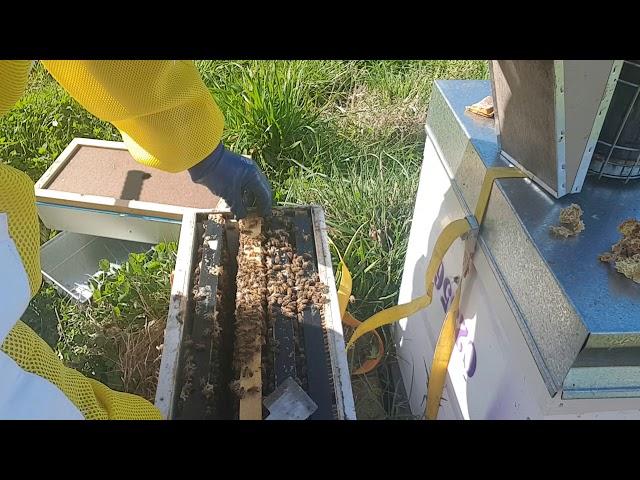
237,179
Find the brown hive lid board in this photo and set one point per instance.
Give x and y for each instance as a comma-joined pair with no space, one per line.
106,169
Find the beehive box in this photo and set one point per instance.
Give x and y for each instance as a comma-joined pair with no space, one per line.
95,188
232,337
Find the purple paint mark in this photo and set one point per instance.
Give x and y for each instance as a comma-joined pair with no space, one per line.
445,299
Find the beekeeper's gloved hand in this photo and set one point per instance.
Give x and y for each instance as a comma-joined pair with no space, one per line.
237,179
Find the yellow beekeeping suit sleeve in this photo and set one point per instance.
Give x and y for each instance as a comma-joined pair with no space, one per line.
94,400
13,79
18,201
167,117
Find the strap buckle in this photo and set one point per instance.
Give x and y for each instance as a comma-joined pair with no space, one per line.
470,240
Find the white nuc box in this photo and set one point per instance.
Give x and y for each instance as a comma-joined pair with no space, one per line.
545,329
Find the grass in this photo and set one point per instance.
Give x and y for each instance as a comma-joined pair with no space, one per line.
347,135
43,123
116,337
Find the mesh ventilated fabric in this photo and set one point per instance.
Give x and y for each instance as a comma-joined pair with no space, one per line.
18,201
94,400
13,79
168,121
167,117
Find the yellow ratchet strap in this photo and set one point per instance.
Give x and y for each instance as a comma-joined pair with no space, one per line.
344,293
463,228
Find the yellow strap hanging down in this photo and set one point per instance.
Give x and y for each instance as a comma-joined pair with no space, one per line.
441,357
344,292
450,233
446,339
